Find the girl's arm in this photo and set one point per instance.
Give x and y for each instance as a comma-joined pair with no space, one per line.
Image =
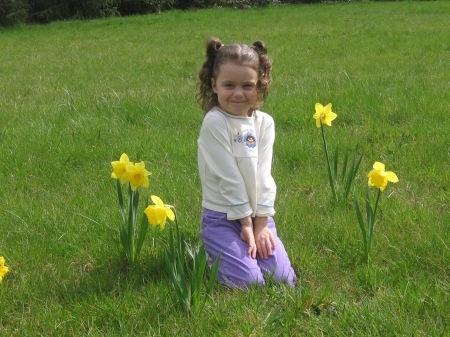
264,239
247,235
266,187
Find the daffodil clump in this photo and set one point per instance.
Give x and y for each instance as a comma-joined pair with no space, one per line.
340,186
186,279
378,178
136,175
3,269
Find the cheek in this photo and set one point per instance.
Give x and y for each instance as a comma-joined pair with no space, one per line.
224,92
253,94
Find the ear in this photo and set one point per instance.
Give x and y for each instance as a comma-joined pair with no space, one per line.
213,84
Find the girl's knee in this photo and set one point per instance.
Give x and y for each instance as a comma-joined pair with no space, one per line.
241,278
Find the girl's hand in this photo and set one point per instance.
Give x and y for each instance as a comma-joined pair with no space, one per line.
247,236
265,242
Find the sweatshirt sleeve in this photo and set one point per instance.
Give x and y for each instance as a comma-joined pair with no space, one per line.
266,187
216,148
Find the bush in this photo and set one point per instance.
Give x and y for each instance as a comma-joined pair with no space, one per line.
184,4
130,7
90,9
44,11
13,12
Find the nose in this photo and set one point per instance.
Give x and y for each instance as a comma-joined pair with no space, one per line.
238,92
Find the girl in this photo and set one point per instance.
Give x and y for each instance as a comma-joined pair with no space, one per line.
234,160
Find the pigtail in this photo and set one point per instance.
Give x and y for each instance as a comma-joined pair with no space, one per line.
206,97
265,66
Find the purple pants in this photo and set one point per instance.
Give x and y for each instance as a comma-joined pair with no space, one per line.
237,269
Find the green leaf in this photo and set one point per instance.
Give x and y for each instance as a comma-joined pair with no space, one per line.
362,226
352,173
124,240
344,166
177,282
142,233
135,207
214,272
120,196
330,175
370,223
132,223
336,157
130,206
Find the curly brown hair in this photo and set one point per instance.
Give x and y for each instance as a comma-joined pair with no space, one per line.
254,56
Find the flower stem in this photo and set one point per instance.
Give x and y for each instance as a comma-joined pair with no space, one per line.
131,226
371,224
376,203
330,176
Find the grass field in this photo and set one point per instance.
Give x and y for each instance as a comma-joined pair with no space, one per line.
75,95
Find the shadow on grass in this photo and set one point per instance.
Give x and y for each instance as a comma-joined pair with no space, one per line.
113,275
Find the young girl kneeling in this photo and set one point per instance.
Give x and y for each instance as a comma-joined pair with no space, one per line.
235,160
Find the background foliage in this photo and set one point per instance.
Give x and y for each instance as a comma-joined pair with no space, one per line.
44,11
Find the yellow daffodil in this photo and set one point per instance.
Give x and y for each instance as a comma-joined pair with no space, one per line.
324,115
120,168
158,213
3,268
379,178
137,175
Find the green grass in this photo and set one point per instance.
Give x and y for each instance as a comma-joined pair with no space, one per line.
75,95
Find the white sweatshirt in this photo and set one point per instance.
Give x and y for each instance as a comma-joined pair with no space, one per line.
235,164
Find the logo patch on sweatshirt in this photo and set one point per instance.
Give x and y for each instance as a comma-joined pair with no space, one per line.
248,138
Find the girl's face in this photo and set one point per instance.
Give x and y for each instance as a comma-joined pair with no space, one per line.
235,87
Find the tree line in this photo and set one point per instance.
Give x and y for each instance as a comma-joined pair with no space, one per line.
45,11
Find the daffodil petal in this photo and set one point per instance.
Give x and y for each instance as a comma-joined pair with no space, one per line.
378,166
392,177
124,158
140,165
332,116
157,200
170,214
3,269
146,182
327,109
319,108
